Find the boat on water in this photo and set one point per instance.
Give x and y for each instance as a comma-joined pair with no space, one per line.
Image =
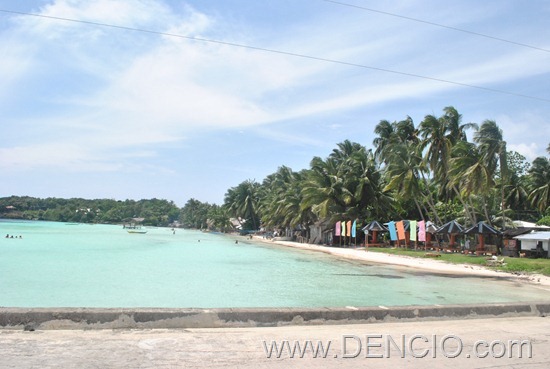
142,231
133,228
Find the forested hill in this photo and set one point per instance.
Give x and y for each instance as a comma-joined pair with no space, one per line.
155,212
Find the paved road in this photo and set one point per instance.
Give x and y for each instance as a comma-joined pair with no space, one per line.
244,348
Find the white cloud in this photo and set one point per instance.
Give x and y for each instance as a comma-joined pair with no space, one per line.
530,151
136,91
52,154
523,132
125,13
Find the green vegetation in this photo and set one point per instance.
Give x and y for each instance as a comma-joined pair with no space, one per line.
512,265
427,171
155,212
430,171
544,221
523,265
455,258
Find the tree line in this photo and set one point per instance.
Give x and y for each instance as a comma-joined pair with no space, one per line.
429,171
155,212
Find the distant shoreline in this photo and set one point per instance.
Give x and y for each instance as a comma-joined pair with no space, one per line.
431,265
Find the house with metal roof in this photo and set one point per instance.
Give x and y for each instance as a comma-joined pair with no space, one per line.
535,243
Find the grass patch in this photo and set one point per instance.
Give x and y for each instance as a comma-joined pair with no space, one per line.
513,265
539,266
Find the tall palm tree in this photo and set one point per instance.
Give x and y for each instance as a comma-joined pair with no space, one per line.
439,135
281,205
364,186
493,151
437,144
322,190
272,191
218,218
292,207
539,174
516,195
346,184
403,173
516,190
406,132
491,145
385,131
469,172
242,201
456,131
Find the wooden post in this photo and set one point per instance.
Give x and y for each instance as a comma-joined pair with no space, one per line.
428,240
452,242
481,244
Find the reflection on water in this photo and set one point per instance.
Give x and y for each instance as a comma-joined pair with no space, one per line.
103,266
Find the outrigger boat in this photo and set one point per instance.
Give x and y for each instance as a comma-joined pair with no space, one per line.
132,228
137,231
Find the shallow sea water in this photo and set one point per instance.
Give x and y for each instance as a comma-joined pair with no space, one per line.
68,265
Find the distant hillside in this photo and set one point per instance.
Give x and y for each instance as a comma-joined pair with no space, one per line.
154,211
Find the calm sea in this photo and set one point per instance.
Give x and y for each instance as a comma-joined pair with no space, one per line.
79,265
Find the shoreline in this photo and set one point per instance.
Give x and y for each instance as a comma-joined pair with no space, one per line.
426,264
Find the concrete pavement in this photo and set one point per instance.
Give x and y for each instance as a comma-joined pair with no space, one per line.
428,344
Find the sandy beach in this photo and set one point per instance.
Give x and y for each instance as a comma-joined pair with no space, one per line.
428,264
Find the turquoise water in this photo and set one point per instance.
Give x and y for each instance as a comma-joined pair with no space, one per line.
64,265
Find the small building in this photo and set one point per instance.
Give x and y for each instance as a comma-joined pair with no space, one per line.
511,244
321,232
535,243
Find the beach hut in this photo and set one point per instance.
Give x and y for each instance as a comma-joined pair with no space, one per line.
431,228
482,229
451,228
373,228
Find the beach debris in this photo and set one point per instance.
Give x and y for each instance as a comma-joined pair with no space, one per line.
432,255
494,261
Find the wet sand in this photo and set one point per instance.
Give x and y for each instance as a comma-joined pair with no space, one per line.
427,264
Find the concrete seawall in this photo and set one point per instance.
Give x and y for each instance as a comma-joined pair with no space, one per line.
163,318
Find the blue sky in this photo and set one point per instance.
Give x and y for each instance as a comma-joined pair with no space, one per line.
98,112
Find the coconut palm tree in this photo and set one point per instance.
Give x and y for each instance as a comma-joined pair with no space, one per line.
516,195
439,135
385,131
493,151
322,190
491,145
242,201
346,184
364,186
281,203
539,174
516,190
469,172
292,207
404,173
437,144
406,132
456,131
218,218
272,192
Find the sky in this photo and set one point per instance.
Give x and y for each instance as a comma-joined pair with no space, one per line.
186,99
